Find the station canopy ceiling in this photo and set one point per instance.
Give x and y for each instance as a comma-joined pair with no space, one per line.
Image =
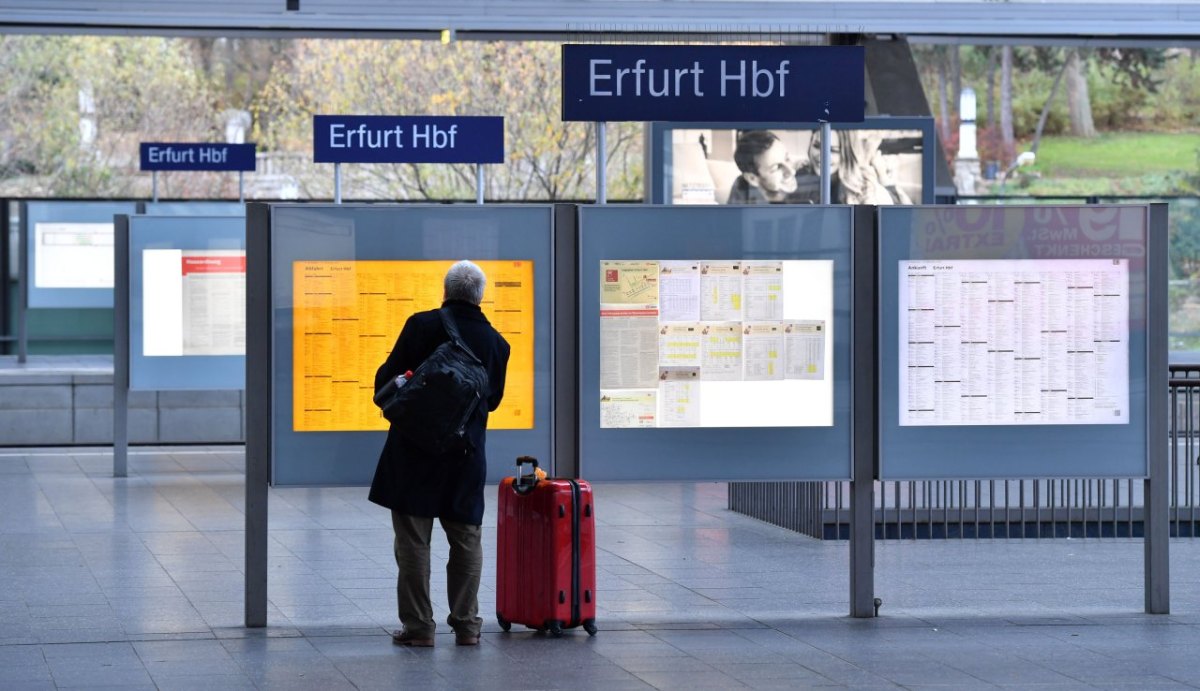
1169,20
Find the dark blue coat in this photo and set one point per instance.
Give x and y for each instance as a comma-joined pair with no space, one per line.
451,487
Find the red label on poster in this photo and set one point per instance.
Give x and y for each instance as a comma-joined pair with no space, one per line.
221,264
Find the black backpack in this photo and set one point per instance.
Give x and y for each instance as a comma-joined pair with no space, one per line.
432,408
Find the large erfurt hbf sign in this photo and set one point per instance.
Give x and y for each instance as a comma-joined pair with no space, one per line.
713,83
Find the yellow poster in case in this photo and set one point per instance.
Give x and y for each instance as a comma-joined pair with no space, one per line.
347,315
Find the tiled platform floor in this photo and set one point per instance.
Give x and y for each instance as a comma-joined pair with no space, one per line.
136,583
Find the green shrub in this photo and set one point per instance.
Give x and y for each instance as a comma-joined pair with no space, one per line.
1115,106
1176,105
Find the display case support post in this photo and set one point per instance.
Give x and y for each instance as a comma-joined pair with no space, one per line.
601,163
826,148
121,346
478,183
564,343
258,409
864,443
23,284
154,186
337,183
1157,526
5,276
241,187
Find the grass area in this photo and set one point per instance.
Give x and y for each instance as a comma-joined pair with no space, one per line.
1125,154
1118,163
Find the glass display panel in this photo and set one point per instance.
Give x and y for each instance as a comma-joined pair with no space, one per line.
401,252
716,343
344,313
69,247
187,303
662,400
1013,342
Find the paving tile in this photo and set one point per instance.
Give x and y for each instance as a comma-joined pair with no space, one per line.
28,684
689,680
206,682
16,673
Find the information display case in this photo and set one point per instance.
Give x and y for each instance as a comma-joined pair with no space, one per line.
187,302
344,279
69,253
1013,342
715,343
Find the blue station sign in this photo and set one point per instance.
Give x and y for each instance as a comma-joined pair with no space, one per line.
635,83
181,156
407,139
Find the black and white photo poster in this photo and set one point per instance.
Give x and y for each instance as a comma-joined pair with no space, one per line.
783,166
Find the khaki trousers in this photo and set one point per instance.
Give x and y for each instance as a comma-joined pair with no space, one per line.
462,575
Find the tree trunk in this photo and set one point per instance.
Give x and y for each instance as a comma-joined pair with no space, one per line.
991,88
1041,124
943,99
1079,106
956,76
1006,114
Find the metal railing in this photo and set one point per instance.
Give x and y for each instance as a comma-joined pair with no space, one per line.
1041,508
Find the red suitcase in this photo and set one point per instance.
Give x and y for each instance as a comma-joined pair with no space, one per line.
545,553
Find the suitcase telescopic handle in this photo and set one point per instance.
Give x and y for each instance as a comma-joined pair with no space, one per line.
523,483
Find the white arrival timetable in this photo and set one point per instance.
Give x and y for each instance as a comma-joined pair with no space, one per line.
1014,342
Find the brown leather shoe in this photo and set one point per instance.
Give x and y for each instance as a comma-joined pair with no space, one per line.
407,639
466,639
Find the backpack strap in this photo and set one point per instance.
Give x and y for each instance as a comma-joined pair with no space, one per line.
452,329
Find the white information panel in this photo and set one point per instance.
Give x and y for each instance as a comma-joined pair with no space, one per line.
1014,342
193,302
73,255
722,343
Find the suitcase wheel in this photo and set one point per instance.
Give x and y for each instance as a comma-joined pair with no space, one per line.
590,627
504,623
555,628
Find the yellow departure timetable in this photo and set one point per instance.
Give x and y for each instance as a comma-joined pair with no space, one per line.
348,314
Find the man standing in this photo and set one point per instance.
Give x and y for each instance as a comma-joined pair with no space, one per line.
418,487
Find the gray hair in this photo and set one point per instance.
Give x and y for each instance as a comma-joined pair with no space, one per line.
465,281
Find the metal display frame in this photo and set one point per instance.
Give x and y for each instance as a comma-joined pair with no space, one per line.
126,344
77,211
799,232
976,451
260,376
1155,461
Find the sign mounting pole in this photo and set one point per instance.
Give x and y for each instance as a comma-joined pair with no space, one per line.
601,163
826,149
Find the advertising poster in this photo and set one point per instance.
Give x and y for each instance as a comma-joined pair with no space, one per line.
783,166
348,314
